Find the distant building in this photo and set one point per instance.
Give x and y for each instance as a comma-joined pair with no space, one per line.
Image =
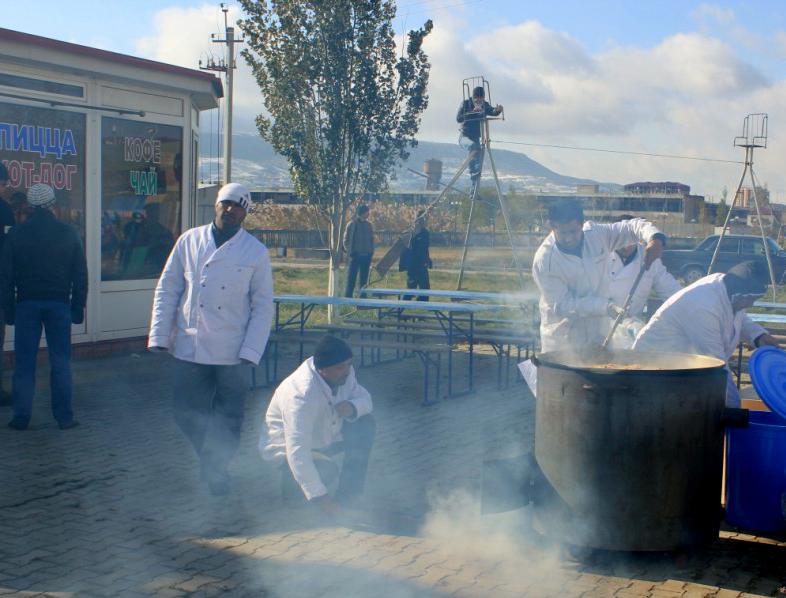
671,199
433,170
649,188
744,198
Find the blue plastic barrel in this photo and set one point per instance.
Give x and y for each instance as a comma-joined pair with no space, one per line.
756,474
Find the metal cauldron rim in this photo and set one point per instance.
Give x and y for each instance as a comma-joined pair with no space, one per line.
711,363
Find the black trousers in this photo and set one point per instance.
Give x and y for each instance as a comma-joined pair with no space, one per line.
358,264
417,278
208,404
356,446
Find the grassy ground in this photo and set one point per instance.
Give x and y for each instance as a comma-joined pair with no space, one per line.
313,280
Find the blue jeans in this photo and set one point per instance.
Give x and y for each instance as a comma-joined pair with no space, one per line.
55,318
475,156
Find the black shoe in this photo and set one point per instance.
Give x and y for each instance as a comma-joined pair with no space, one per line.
5,398
68,425
17,424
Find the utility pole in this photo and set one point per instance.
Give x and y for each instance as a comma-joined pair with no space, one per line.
226,66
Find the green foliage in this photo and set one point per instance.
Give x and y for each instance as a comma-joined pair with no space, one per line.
720,214
343,106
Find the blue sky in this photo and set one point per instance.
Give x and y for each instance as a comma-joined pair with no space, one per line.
597,23
668,77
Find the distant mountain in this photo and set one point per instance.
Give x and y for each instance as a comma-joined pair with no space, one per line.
255,163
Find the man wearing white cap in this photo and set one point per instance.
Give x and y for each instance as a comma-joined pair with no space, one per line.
43,283
212,310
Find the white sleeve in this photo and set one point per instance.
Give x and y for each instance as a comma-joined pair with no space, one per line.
299,417
169,290
554,293
261,297
358,396
627,232
663,283
750,331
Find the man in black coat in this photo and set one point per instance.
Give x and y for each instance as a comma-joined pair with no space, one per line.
43,283
419,259
6,220
470,114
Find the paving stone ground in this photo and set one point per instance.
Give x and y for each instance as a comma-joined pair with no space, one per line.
115,508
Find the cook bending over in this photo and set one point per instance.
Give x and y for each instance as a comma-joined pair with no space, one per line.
708,318
624,266
571,269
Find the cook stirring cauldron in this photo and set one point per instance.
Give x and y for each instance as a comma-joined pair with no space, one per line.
708,318
571,269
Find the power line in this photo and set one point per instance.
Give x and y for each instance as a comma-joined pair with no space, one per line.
611,151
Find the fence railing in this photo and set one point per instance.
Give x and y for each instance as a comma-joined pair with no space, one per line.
311,239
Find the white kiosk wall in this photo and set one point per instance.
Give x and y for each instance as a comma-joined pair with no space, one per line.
125,181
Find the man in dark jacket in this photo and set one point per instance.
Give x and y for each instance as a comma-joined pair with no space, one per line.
470,114
359,245
43,282
6,219
419,259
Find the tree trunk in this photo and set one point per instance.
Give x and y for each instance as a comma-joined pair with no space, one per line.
333,277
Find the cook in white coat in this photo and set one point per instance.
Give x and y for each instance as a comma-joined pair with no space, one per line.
318,411
212,310
624,266
708,318
571,269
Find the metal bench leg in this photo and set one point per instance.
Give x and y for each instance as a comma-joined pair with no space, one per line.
439,374
450,372
507,367
500,351
426,368
275,364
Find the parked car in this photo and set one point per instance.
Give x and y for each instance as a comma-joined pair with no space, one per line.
692,264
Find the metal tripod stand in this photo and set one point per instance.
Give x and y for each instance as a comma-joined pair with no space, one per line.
754,134
485,149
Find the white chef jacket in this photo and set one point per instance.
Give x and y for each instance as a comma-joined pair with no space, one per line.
574,291
301,417
657,279
214,306
700,319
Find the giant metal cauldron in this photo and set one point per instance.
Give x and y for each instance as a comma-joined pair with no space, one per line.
631,445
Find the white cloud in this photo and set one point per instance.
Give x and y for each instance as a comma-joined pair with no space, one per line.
687,95
182,36
712,12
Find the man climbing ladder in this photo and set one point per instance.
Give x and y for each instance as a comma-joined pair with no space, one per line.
470,114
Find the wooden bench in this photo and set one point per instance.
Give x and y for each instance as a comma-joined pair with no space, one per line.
500,339
430,354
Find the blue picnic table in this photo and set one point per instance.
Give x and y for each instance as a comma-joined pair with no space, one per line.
770,305
444,311
768,318
511,298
